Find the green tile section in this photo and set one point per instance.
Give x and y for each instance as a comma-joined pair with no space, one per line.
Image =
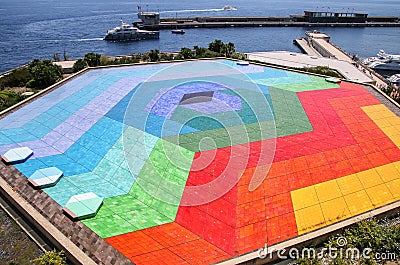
290,116
227,128
314,83
219,138
154,197
255,107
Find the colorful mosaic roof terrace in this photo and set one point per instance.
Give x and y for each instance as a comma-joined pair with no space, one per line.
199,162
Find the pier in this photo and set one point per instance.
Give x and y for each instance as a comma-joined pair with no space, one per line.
266,23
319,44
152,21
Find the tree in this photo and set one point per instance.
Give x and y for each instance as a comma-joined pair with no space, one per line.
154,55
229,49
79,65
216,46
200,52
186,53
44,73
92,59
56,57
66,57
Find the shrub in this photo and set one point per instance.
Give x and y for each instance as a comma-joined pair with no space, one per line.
154,55
322,70
186,53
17,78
44,73
8,98
378,236
51,258
92,59
79,65
166,57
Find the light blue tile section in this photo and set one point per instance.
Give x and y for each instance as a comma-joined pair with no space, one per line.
112,175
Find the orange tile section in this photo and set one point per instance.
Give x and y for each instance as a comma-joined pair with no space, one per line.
134,244
167,244
199,252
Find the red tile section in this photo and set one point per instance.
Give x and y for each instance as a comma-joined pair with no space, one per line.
344,141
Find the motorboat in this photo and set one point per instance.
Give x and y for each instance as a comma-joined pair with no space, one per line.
384,65
383,61
178,31
392,57
129,32
394,79
229,8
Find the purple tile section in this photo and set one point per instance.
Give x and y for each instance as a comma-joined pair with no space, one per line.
200,73
250,69
221,102
166,100
64,135
37,107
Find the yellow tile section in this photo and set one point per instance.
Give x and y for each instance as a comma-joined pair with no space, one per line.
304,198
335,210
309,219
327,190
386,120
370,178
325,203
349,184
388,172
394,187
331,201
358,202
380,195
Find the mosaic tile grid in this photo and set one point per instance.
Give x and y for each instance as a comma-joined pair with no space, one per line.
124,135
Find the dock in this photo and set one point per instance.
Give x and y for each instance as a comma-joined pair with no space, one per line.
302,43
227,24
152,21
298,60
319,44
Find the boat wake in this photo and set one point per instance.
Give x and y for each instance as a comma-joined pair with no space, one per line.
193,10
90,39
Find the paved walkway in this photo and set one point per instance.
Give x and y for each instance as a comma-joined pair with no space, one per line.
298,60
303,43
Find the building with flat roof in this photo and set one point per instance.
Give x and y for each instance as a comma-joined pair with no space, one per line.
200,162
334,17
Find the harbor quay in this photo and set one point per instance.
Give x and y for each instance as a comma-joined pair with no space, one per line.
152,21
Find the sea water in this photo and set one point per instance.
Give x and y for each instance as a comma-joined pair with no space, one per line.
39,28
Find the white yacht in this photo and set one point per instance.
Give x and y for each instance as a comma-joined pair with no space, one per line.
392,57
394,79
383,61
129,32
229,8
